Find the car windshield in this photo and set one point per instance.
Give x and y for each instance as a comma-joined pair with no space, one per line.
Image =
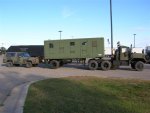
23,55
26,55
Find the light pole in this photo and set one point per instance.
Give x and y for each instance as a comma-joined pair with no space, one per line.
60,34
134,40
111,23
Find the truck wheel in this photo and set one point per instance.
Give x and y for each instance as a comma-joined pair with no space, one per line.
105,65
54,64
93,65
9,64
28,64
139,66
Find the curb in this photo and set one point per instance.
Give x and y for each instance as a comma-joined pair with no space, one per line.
15,102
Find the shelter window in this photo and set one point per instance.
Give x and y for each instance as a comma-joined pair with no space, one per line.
84,43
51,45
72,43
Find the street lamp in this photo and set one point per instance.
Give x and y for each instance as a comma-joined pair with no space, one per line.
111,23
134,40
60,34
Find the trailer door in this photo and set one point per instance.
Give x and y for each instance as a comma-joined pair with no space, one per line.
83,50
94,48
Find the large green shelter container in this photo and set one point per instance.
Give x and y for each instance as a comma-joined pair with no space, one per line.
74,48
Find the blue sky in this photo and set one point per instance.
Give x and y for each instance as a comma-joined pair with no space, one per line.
30,22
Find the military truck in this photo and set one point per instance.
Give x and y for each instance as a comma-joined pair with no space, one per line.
20,58
91,51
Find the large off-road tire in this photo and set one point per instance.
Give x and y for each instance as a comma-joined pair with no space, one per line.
29,64
9,64
105,65
139,66
93,65
54,64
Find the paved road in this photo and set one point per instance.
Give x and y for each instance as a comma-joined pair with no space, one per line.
15,77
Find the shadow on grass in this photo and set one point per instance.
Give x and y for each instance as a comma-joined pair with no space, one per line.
69,96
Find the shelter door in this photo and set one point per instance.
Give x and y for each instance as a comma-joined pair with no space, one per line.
83,50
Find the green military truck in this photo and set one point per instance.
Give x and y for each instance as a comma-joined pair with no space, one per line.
91,51
20,58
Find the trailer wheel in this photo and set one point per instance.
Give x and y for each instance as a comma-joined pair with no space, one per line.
105,65
54,64
28,64
139,66
9,64
93,65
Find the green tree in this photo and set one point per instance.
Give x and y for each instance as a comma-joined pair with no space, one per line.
2,50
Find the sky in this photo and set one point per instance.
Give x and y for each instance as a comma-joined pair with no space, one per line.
30,22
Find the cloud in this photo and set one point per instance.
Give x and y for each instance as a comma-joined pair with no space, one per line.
67,12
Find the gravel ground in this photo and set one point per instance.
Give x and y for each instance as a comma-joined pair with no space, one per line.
15,76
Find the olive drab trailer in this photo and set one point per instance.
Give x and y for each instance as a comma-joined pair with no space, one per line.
74,48
57,52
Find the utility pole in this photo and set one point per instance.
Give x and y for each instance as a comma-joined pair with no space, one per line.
111,22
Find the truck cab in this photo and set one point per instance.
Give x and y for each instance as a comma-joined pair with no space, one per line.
124,57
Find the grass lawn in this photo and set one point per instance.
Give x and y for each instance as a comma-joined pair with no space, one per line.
88,95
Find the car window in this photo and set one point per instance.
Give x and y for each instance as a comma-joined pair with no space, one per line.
10,54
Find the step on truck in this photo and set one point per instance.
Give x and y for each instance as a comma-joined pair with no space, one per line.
91,51
20,59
